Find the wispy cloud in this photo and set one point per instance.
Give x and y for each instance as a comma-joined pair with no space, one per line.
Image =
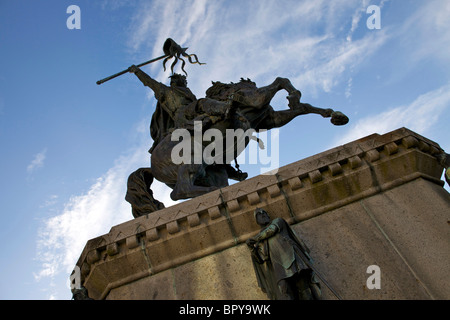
357,15
360,13
419,116
336,59
252,43
52,200
37,162
62,237
430,19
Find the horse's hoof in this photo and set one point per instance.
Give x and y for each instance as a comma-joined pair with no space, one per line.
338,118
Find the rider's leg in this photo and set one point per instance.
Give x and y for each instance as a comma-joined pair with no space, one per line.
185,188
216,175
235,174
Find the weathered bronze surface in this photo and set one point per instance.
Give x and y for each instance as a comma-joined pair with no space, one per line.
444,160
235,106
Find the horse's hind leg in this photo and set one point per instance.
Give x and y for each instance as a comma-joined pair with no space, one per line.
277,119
305,108
337,117
185,188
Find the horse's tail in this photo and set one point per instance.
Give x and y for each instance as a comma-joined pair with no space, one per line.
139,194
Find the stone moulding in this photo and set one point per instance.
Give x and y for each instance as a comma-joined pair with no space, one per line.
224,218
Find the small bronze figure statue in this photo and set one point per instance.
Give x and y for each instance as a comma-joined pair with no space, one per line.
282,262
444,160
80,294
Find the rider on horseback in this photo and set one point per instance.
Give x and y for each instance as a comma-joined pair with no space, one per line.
178,107
234,106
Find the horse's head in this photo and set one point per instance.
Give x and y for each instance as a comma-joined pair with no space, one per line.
222,91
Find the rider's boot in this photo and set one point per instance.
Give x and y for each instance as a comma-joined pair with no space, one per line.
234,174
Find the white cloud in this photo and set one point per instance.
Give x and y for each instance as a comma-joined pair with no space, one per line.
52,200
37,162
348,90
62,238
357,15
361,12
250,42
427,30
335,58
419,116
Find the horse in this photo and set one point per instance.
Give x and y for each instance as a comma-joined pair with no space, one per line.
250,110
234,106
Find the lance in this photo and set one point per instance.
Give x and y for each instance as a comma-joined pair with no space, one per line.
171,49
126,70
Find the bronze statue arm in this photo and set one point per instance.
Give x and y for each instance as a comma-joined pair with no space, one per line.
148,81
268,232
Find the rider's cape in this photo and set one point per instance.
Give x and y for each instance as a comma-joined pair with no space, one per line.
160,124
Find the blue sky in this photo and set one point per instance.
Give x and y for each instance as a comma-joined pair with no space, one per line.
68,145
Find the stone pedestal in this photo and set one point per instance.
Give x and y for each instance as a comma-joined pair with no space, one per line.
375,201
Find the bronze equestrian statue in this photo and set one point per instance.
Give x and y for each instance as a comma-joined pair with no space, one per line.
233,106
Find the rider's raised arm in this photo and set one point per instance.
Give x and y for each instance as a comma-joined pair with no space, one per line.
157,87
